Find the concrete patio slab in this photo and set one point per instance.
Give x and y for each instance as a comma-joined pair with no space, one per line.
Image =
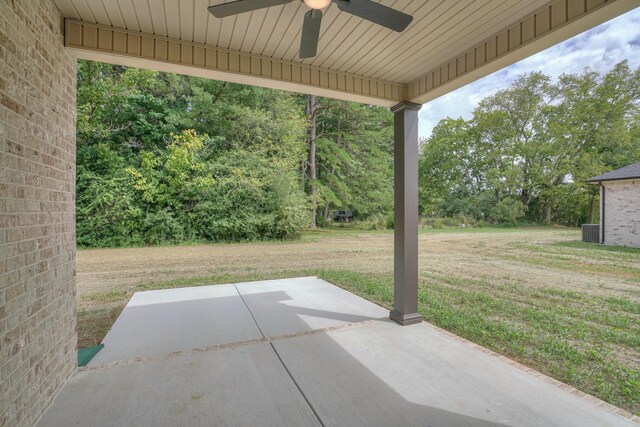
170,320
289,306
254,354
383,374
242,386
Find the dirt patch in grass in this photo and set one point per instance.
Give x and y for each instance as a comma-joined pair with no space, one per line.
95,321
539,296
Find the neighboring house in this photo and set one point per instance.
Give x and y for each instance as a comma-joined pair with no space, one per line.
620,206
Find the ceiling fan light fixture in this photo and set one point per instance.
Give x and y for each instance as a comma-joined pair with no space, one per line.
317,4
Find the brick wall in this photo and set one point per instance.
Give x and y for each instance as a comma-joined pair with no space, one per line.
37,191
622,213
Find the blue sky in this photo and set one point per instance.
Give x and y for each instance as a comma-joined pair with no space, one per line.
599,49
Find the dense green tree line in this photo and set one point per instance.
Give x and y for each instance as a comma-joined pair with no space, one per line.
169,158
528,149
166,158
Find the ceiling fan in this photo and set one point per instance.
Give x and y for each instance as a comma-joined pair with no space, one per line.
366,9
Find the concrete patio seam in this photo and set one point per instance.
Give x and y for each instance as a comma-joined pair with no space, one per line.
235,286
537,374
284,366
216,347
304,396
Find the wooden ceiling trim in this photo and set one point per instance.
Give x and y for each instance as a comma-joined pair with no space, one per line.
443,43
440,51
133,48
547,27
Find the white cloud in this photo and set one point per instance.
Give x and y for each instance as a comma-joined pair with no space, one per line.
599,49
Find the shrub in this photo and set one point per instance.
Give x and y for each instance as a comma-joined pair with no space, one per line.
378,221
162,227
508,211
290,221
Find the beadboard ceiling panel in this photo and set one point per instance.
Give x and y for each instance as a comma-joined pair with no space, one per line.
442,31
347,43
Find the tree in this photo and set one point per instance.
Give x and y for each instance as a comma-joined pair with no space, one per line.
353,157
596,118
537,142
148,173
447,166
312,112
165,158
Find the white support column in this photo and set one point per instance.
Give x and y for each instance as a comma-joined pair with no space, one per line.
405,281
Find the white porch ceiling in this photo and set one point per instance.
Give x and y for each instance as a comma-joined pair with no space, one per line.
442,31
347,43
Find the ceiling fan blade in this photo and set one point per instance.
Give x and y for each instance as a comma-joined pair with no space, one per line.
310,33
242,6
377,13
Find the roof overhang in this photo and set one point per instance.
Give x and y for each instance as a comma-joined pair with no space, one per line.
383,81
600,181
628,173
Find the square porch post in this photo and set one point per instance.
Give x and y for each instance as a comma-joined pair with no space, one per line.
405,234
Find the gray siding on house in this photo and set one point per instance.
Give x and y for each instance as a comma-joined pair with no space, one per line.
622,213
